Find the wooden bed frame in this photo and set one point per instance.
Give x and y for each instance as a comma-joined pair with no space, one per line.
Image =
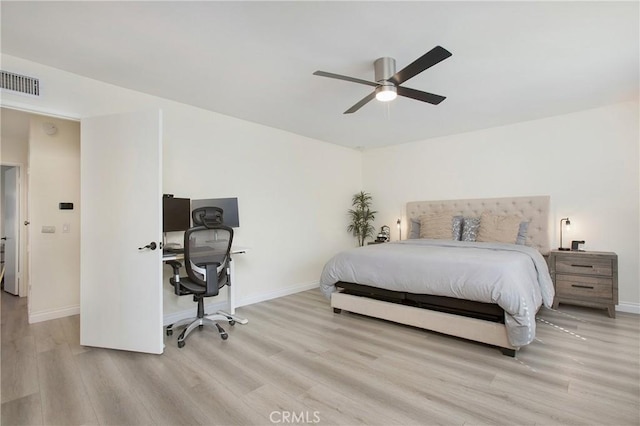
473,323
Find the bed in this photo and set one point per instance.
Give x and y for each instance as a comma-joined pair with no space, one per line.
486,291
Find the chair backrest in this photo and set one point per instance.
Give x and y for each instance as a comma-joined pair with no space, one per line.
207,216
205,245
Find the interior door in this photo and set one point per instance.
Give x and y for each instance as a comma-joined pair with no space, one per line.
121,216
11,229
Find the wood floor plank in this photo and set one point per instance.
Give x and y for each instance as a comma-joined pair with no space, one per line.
348,378
62,391
15,323
207,345
22,411
19,368
334,407
275,406
113,399
49,334
268,369
297,358
159,388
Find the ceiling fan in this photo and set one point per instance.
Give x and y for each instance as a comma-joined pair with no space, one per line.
388,81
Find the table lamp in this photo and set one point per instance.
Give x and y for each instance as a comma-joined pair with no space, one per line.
568,223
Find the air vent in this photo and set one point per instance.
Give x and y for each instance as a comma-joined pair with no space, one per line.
20,83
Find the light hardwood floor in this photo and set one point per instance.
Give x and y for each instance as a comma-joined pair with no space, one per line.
298,362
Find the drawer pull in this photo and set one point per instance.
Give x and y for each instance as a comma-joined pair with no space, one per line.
582,286
582,266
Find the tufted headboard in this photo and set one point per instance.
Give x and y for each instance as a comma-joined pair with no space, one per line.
534,209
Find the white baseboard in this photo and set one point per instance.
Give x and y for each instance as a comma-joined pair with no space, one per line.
187,313
53,314
277,293
632,308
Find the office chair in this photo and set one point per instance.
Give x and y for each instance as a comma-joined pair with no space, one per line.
207,248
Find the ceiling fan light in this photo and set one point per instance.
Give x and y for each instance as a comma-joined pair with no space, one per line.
386,93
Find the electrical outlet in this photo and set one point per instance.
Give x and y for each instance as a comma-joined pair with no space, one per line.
48,229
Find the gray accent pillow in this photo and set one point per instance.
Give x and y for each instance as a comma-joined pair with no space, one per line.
470,226
457,228
522,233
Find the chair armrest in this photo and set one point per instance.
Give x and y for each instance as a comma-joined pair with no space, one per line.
176,267
175,280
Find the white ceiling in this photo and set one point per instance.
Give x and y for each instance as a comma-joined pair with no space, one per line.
512,61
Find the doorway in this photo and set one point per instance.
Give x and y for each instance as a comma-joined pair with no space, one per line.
10,191
45,151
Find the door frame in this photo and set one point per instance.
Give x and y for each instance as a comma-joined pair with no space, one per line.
23,231
25,256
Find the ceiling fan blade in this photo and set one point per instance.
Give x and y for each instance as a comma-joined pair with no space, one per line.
429,59
420,96
344,77
361,103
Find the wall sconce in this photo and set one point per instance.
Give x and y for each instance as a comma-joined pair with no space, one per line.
399,230
568,223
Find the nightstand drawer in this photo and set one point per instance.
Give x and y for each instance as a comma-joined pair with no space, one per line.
578,265
584,287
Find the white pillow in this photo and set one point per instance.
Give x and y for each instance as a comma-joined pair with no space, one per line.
498,229
437,226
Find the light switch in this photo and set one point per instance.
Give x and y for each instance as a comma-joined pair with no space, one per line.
48,229
66,227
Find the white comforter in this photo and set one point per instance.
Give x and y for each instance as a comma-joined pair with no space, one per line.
515,277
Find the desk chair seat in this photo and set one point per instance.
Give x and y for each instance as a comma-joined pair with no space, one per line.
207,249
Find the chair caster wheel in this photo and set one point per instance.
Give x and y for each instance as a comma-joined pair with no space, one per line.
200,326
169,332
224,336
180,344
232,322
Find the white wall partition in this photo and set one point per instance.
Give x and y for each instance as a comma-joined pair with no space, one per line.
54,234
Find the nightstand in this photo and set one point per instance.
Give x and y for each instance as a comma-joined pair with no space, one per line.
587,278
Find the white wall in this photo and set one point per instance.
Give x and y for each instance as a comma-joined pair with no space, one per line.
293,191
54,177
587,162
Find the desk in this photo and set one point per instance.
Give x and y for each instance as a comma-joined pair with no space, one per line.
231,293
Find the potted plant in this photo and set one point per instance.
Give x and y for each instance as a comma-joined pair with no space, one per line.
361,217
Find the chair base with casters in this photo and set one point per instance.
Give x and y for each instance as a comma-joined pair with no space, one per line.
200,321
184,286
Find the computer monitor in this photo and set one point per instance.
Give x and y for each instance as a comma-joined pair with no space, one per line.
229,206
176,214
